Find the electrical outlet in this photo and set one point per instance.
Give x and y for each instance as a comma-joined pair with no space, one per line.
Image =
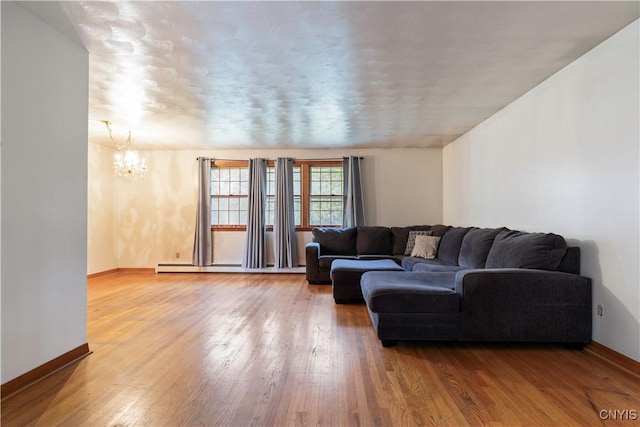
177,255
600,310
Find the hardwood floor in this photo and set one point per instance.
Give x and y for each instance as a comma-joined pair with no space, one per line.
249,349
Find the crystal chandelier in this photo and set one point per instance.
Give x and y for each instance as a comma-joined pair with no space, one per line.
126,162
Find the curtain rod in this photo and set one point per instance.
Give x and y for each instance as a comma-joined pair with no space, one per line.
244,160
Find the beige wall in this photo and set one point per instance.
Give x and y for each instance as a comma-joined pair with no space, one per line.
101,210
564,158
44,192
154,215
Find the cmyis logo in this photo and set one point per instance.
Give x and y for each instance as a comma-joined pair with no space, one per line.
618,414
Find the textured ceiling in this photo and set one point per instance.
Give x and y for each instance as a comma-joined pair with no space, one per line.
322,74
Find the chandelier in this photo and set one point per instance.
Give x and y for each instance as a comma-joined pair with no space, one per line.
126,162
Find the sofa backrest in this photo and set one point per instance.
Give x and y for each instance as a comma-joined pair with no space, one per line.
571,261
469,247
518,249
439,230
400,235
373,240
335,241
367,240
476,245
450,243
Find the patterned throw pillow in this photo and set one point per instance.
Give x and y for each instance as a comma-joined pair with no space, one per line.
411,241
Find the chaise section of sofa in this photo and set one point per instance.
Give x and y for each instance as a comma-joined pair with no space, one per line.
524,305
507,286
499,305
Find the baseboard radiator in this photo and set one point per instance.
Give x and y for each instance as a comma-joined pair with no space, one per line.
224,268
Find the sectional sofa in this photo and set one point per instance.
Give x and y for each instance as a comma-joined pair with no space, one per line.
481,284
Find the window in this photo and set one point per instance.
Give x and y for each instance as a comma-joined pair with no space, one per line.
325,195
317,188
229,195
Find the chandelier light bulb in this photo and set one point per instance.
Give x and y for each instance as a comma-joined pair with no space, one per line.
126,162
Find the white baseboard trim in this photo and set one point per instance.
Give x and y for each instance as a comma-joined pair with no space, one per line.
224,268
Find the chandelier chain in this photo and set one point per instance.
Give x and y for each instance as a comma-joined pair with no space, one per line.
118,146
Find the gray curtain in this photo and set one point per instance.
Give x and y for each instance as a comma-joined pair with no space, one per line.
254,252
202,253
284,225
353,206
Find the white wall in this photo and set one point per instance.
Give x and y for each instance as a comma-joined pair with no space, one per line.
155,214
0,208
564,158
44,192
101,210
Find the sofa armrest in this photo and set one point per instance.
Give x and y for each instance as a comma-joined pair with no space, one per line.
312,255
513,304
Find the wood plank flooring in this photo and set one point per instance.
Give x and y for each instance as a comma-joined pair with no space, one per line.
186,349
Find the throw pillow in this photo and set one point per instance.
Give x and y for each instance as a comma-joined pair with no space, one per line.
411,241
425,247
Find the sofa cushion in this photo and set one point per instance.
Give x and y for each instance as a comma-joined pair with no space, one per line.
373,241
476,245
326,261
403,292
374,257
410,263
449,249
399,236
517,249
357,265
570,261
426,267
336,241
426,247
411,241
439,230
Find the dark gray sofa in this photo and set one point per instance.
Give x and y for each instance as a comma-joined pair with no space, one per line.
483,285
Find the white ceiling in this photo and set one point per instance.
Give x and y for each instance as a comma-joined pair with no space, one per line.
322,74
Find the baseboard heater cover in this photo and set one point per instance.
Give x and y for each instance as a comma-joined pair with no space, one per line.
224,268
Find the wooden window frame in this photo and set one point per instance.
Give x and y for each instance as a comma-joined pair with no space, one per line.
305,187
334,164
229,164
